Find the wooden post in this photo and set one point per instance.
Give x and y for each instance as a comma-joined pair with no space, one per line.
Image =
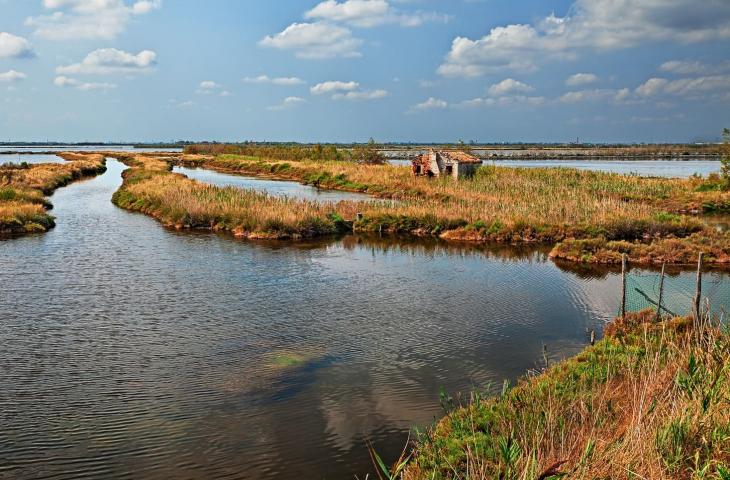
661,294
593,337
624,265
698,294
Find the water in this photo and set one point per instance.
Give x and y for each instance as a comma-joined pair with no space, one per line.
272,187
135,351
644,168
31,159
80,148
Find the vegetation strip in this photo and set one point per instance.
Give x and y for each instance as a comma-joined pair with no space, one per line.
651,398
23,187
589,216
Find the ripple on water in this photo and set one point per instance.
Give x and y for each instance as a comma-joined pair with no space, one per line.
134,351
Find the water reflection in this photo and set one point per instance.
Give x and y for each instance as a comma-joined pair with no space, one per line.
131,350
645,168
32,159
273,187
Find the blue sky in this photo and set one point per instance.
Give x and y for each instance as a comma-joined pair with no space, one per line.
346,70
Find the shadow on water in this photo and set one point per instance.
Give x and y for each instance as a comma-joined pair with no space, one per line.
132,350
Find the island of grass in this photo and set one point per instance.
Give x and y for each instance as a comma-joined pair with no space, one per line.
649,401
23,190
589,216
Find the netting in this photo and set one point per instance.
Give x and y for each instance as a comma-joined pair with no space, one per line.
678,296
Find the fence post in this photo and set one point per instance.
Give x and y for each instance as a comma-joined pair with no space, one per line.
624,263
661,294
698,294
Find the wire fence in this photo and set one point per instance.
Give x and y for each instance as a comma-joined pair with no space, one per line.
672,294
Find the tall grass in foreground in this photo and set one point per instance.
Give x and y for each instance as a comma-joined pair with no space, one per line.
650,401
23,188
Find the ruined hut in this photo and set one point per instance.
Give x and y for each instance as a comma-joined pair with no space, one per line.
450,163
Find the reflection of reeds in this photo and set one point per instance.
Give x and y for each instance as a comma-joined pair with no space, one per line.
648,401
22,189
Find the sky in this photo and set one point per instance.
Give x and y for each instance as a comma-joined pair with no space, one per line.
348,70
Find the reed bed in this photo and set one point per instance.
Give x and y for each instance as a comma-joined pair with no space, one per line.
648,401
23,206
512,205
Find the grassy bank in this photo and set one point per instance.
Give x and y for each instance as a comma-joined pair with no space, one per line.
590,216
151,188
649,401
23,206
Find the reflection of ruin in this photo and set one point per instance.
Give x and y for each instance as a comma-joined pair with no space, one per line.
450,163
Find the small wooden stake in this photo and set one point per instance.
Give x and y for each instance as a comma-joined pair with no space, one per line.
661,294
593,337
698,294
624,268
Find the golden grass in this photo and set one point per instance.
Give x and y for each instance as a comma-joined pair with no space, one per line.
22,190
510,205
649,401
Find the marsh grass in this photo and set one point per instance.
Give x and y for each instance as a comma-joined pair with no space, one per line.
513,205
649,401
23,206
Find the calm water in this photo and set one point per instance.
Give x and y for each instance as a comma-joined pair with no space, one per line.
134,351
644,168
31,159
277,188
78,148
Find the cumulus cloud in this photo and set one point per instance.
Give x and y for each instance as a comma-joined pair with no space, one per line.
88,19
651,87
581,79
431,104
508,86
361,95
12,46
289,102
283,81
333,87
593,95
590,24
209,87
504,101
369,13
316,40
63,81
695,86
107,61
12,76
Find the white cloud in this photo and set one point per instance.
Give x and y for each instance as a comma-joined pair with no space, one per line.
581,79
289,102
88,19
107,61
364,95
283,81
368,13
209,87
12,76
508,86
591,24
315,41
431,104
590,95
651,87
333,87
63,81
12,46
504,101
181,104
